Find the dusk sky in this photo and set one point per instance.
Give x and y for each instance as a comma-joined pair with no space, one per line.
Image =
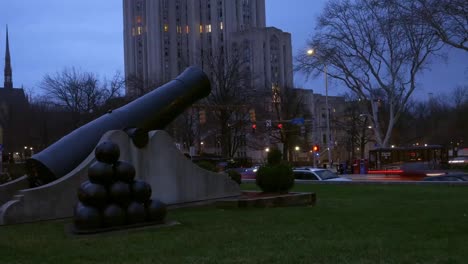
48,35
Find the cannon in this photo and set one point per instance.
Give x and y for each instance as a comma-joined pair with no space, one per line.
152,111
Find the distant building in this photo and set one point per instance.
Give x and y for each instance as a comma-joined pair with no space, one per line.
162,38
267,52
315,126
14,109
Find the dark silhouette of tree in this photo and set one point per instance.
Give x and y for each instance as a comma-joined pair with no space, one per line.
80,93
287,105
137,86
447,19
230,100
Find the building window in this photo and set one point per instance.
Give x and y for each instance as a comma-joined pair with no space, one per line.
166,27
221,25
208,28
201,28
187,29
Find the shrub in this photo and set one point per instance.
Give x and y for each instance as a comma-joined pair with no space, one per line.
274,157
235,176
275,178
207,165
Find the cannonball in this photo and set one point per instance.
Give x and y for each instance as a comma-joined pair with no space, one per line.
136,213
107,152
141,191
92,194
120,193
124,171
86,217
113,215
155,211
100,172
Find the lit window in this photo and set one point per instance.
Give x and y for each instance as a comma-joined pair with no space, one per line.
166,27
138,19
139,30
187,29
221,25
208,28
201,28
179,29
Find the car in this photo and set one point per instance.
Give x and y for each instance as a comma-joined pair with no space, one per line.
458,177
316,174
250,173
462,160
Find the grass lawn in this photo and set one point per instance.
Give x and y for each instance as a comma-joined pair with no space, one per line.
349,224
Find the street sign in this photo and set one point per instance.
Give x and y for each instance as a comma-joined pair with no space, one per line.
297,121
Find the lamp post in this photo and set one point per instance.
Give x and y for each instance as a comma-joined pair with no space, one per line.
311,52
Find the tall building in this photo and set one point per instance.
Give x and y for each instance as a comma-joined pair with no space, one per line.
268,54
163,37
13,110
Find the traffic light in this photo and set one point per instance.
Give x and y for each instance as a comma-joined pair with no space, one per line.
254,127
316,148
280,126
202,117
253,119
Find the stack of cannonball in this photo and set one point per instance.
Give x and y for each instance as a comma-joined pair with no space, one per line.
112,197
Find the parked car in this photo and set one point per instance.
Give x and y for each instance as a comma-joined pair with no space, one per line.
315,174
250,173
458,177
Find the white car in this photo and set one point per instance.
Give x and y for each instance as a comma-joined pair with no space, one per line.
315,174
459,160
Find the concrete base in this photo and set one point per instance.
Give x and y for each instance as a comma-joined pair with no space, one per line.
174,179
7,190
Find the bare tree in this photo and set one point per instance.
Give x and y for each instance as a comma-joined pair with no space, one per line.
460,96
137,86
448,19
362,44
80,93
230,99
288,104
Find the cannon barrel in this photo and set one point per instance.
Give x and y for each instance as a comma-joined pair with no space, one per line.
150,112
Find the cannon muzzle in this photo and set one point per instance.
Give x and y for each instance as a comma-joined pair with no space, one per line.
152,111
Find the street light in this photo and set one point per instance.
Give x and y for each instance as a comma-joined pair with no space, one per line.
311,52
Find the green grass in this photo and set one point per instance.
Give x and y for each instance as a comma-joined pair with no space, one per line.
349,224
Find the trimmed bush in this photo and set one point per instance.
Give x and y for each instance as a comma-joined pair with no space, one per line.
235,176
274,157
275,178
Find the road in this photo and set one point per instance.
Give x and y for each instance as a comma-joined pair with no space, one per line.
381,177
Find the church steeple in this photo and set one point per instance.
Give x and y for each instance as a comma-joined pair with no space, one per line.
8,81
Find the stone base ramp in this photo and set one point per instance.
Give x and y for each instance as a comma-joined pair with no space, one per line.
174,180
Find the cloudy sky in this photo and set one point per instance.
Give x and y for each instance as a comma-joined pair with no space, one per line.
48,35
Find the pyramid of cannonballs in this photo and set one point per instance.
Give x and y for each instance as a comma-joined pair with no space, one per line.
112,197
